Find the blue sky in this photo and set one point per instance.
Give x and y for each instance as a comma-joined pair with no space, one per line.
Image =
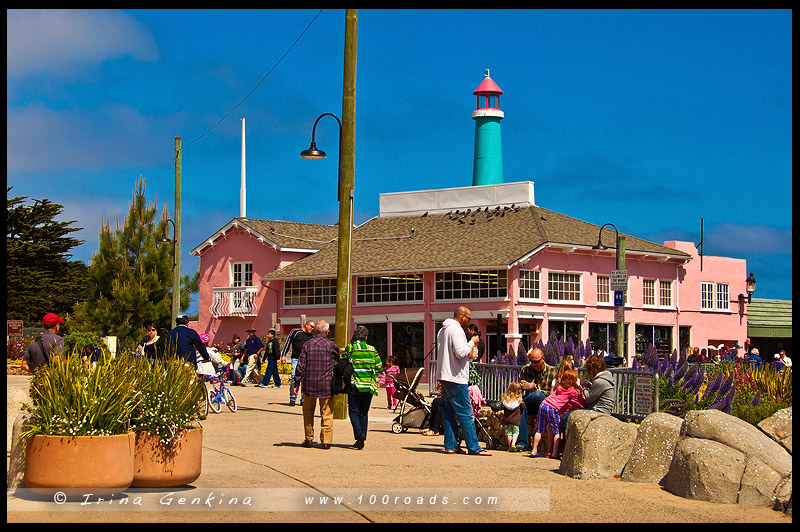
646,119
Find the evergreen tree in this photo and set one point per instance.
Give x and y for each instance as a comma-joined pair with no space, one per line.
40,277
130,276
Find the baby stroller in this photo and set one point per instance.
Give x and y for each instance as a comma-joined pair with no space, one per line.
415,410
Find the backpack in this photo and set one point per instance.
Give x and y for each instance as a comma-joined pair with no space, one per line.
342,373
45,352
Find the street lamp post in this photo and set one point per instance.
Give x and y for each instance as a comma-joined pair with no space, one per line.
176,294
343,280
620,255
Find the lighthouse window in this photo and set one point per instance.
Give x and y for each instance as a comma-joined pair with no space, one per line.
492,101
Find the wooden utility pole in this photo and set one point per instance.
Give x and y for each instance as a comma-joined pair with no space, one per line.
346,196
621,351
176,272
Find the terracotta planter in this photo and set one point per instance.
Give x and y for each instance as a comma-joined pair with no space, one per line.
156,466
79,464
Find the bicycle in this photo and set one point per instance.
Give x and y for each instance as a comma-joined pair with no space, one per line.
219,393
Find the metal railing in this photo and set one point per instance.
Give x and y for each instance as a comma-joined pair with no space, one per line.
636,390
234,301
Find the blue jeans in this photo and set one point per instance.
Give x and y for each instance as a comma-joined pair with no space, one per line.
532,402
272,371
458,406
358,406
292,396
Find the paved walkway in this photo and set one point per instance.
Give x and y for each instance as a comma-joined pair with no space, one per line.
406,478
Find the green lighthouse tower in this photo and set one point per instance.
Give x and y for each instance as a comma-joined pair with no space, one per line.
487,168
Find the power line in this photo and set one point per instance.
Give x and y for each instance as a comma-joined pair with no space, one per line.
257,84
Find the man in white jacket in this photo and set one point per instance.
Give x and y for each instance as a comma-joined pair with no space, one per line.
452,370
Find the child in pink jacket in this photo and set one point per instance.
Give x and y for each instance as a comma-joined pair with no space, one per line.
567,396
388,383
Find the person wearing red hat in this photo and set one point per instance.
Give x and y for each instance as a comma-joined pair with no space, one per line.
44,346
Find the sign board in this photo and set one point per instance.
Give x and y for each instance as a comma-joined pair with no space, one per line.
619,279
14,327
618,314
618,298
643,395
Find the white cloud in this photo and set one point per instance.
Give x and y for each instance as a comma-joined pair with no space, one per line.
65,41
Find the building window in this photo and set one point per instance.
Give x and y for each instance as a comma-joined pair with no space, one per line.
563,286
529,284
389,289
722,297
664,293
484,284
649,292
309,292
659,336
241,274
604,336
706,296
565,329
603,289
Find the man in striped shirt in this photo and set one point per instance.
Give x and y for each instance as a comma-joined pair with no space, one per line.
314,371
364,384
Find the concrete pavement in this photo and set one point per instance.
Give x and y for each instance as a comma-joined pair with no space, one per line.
254,470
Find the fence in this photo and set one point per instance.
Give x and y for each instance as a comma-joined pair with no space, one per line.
636,390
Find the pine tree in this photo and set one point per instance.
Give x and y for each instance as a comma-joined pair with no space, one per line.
130,275
40,277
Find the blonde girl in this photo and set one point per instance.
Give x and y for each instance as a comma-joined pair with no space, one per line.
512,412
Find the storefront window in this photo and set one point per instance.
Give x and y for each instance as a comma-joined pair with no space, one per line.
408,344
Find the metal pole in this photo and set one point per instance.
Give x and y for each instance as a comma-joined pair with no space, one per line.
176,271
621,324
346,196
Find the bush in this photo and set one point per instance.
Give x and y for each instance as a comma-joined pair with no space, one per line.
17,345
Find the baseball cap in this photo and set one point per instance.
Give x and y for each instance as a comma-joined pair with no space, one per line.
51,319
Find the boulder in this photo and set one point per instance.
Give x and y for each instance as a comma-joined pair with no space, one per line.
779,428
721,458
706,470
597,445
653,449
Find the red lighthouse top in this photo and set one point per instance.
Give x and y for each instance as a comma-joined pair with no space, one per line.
487,86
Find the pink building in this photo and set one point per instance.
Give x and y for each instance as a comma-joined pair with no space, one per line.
524,271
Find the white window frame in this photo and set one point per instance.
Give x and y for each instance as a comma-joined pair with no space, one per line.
604,290
389,289
723,297
649,293
239,279
665,293
550,284
309,293
530,284
453,289
706,296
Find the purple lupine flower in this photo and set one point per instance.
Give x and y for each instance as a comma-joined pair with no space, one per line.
698,381
756,399
715,384
729,400
681,371
726,385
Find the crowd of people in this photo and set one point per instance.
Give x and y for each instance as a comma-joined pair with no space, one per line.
543,393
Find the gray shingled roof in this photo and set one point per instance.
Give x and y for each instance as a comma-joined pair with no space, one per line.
450,242
293,235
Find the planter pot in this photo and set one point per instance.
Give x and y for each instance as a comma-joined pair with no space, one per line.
79,464
157,466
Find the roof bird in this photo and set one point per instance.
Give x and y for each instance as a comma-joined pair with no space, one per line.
426,214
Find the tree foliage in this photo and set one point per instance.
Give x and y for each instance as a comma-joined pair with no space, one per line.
40,277
130,276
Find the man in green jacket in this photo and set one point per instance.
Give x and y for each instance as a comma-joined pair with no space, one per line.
364,383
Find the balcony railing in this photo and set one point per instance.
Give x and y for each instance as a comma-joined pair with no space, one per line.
234,301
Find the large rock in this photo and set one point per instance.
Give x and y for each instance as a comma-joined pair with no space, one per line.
653,449
597,445
705,470
721,458
779,428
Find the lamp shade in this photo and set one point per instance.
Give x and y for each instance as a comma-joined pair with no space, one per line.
312,152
